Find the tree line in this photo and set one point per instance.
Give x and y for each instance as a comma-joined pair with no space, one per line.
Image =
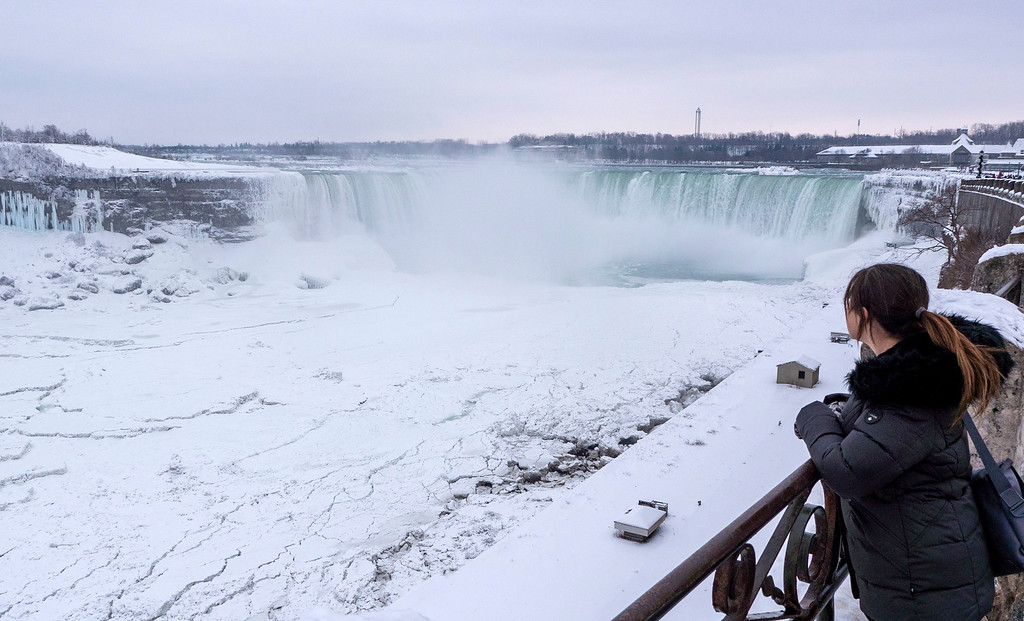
49,133
622,147
312,149
775,147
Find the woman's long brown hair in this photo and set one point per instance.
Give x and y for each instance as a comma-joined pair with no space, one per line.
891,295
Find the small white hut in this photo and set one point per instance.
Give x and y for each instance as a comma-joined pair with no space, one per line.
801,372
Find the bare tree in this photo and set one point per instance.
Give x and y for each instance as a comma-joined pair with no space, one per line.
950,226
960,273
938,220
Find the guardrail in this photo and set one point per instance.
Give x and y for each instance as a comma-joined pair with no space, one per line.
812,557
1011,290
1007,189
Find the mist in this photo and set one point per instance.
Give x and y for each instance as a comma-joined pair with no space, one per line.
574,225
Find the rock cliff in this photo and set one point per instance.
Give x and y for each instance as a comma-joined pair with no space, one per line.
1000,425
222,207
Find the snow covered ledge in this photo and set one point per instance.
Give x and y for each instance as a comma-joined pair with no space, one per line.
709,464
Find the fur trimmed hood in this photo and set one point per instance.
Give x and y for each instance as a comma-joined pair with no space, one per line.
915,371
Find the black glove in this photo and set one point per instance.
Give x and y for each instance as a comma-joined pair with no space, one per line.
836,401
815,418
836,397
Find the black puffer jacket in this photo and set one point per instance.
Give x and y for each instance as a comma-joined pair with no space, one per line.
902,468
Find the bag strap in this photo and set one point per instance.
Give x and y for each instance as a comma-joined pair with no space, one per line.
1009,496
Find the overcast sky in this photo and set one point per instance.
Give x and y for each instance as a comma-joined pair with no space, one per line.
217,71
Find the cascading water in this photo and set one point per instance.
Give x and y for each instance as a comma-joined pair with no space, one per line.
555,222
579,225
780,206
321,206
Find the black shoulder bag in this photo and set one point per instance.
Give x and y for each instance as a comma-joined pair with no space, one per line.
1000,506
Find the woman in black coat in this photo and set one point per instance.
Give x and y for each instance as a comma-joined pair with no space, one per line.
897,455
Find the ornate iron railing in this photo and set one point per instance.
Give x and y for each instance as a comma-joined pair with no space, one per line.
812,557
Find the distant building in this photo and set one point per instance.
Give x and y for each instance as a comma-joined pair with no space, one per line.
962,153
801,372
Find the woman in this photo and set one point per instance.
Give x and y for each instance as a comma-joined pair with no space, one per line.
897,455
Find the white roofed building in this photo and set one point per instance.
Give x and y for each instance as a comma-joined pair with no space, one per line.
963,152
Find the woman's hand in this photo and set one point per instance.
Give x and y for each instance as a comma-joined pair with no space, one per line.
808,414
836,401
813,406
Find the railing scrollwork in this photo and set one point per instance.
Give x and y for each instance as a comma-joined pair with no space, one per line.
811,535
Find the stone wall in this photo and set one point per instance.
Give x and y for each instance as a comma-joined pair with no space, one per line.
992,275
990,214
1000,425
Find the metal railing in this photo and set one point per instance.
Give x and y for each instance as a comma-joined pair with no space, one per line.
812,557
1011,290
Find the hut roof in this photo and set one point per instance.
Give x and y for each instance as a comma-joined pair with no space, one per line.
805,361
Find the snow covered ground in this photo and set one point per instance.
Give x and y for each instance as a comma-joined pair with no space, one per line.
260,447
709,464
292,430
99,157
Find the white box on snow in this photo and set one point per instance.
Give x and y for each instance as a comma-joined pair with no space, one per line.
640,522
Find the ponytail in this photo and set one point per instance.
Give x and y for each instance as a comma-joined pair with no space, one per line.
982,379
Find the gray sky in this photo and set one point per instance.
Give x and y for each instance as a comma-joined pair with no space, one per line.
260,70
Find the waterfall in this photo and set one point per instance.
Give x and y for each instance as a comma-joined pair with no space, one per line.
777,206
530,219
323,205
382,202
791,207
556,221
24,210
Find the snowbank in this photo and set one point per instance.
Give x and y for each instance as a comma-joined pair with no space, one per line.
991,309
22,162
1002,251
777,171
33,161
106,158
